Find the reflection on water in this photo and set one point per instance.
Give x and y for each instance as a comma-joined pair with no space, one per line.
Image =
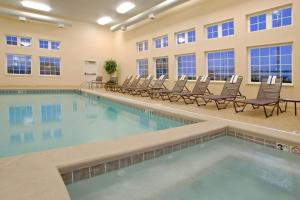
51,113
20,115
31,123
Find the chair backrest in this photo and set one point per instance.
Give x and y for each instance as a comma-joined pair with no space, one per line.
180,84
232,86
160,81
99,78
270,90
201,84
127,81
135,81
147,82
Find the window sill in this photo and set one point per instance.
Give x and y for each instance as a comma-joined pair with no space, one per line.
22,75
258,83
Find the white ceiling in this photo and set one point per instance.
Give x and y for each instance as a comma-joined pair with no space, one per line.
86,10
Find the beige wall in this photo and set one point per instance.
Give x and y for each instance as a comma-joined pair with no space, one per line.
90,42
79,43
197,16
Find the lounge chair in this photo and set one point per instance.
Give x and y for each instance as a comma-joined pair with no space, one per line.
116,88
179,86
268,96
97,82
133,84
230,92
158,85
144,86
200,89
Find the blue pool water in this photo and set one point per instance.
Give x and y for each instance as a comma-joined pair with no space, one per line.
36,122
222,169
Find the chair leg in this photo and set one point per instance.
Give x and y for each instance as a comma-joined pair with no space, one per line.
236,106
201,104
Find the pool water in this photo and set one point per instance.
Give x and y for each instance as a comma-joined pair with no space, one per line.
36,122
222,169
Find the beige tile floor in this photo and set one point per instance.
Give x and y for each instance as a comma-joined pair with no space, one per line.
284,121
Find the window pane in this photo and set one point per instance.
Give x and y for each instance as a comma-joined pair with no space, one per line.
282,17
11,40
212,32
142,66
44,44
49,66
186,65
18,64
25,42
258,22
162,67
273,60
220,64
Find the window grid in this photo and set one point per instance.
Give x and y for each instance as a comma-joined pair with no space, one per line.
55,45
271,19
49,66
142,67
11,40
258,22
162,66
18,64
220,64
282,17
25,42
20,114
161,42
271,60
142,46
186,37
212,32
228,28
44,44
186,65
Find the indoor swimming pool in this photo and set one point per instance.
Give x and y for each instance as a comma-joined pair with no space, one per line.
222,169
37,122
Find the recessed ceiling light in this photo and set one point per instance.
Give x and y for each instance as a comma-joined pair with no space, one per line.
36,5
125,7
104,20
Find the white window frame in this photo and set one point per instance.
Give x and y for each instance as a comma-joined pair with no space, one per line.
18,40
154,59
186,37
176,63
143,43
220,31
50,75
271,45
269,21
6,68
161,41
206,57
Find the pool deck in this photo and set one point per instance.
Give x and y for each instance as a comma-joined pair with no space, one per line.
36,176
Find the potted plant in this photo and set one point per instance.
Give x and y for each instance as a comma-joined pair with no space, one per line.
110,67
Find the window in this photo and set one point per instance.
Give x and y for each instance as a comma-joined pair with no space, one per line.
258,22
212,32
162,66
11,40
186,37
51,113
228,28
271,60
142,67
222,29
271,19
142,46
186,65
49,66
282,17
161,42
55,45
18,64
18,41
220,64
46,44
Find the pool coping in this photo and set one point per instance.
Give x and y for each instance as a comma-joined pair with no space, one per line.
38,175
